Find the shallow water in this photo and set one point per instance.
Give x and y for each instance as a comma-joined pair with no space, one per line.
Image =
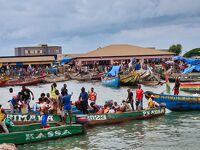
175,130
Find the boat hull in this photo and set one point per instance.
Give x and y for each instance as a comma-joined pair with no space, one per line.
102,119
111,81
19,119
130,79
178,103
190,87
80,77
37,134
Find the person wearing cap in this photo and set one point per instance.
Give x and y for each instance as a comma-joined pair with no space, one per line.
83,97
3,116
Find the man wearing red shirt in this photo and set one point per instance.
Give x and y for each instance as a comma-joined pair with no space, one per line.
139,98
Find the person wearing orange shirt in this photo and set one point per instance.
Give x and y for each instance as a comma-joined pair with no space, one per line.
92,95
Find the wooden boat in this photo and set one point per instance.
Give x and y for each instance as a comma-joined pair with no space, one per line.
176,102
102,119
97,76
190,87
34,133
191,77
19,119
111,81
150,83
130,79
54,79
144,75
21,82
80,77
2,83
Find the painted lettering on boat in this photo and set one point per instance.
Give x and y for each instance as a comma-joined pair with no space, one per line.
28,117
153,112
96,117
181,98
56,133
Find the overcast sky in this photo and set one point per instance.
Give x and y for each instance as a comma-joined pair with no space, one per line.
83,25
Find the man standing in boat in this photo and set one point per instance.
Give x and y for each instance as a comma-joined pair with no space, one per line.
176,86
130,98
3,116
66,107
84,100
26,96
92,95
64,89
139,98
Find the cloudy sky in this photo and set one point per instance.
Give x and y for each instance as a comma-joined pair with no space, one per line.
83,25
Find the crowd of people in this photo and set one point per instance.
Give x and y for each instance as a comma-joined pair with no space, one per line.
59,102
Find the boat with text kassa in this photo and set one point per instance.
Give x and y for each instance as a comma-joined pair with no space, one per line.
176,102
190,87
114,118
22,134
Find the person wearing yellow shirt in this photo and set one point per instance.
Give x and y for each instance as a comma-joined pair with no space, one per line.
152,103
3,116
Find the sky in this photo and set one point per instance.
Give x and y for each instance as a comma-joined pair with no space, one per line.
80,26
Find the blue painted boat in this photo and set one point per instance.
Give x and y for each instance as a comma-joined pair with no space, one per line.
176,102
112,78
111,81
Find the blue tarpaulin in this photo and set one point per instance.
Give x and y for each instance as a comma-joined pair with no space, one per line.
187,60
114,71
65,61
195,68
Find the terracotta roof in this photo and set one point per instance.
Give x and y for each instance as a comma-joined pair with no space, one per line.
26,59
124,50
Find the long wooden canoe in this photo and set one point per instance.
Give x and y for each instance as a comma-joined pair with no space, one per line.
190,87
111,81
176,102
130,79
102,119
19,119
34,133
80,77
21,83
150,83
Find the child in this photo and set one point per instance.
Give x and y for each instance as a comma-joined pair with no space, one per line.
44,112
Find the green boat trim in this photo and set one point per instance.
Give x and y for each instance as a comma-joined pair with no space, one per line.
19,119
102,119
34,133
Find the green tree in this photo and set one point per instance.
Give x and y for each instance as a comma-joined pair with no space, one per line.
193,52
177,49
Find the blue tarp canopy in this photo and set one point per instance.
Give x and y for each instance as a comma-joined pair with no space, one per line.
191,61
187,60
114,71
65,61
195,68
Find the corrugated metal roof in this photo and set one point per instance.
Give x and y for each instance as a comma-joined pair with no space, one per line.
123,50
26,59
